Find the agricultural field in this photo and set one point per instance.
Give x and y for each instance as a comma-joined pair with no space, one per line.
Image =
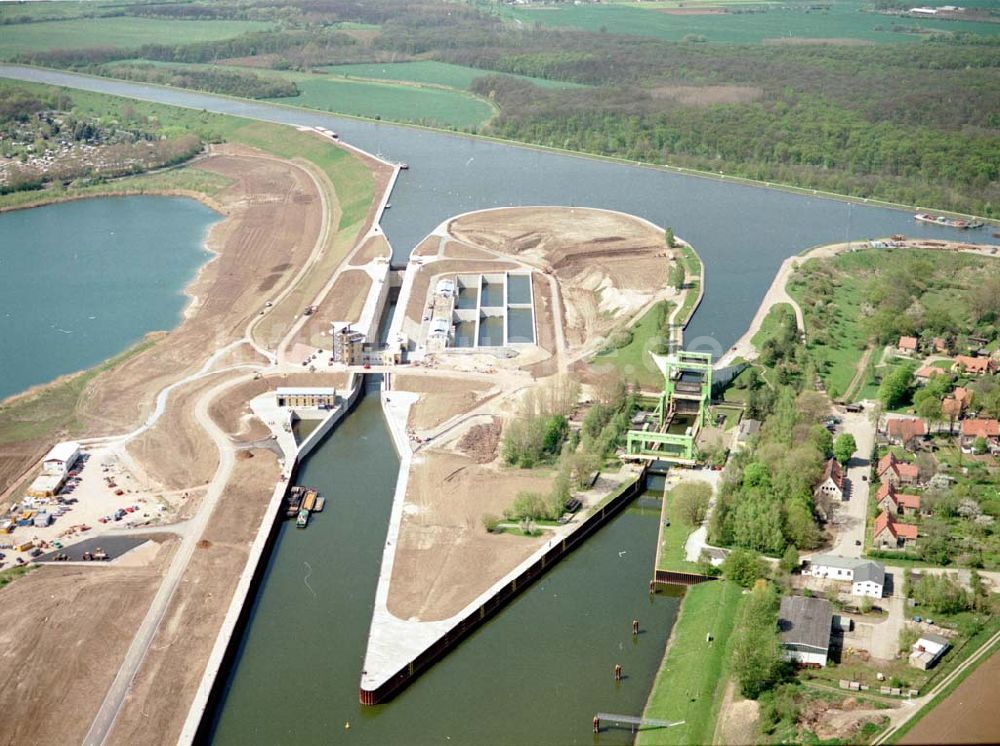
431,72
393,101
122,32
779,22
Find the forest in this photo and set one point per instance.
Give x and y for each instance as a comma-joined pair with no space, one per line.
913,123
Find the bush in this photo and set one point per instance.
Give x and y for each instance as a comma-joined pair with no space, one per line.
744,567
490,522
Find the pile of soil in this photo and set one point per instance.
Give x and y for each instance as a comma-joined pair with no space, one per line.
481,442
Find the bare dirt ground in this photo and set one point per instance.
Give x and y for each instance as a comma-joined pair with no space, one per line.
421,284
58,669
842,721
176,452
608,265
427,247
459,250
344,302
967,715
737,723
158,703
271,225
445,558
481,443
373,247
441,398
545,330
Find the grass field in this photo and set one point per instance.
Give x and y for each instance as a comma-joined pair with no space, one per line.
430,72
691,683
771,324
675,536
171,180
121,32
780,20
633,360
395,101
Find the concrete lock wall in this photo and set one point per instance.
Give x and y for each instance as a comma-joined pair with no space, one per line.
408,673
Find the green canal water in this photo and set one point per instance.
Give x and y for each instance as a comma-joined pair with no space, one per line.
81,281
535,674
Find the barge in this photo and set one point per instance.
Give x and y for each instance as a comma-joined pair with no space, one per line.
947,222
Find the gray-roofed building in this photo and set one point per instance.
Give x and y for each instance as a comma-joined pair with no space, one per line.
804,625
867,578
748,428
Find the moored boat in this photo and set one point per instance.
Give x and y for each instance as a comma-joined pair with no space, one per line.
303,520
320,504
947,222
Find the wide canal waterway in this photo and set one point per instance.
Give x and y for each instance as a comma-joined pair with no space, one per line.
81,281
535,674
540,670
742,232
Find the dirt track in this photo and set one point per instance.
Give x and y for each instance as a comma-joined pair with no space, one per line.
64,631
158,703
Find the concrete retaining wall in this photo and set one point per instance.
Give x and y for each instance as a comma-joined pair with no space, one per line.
354,385
223,653
502,597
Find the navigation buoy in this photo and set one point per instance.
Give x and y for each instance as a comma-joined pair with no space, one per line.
618,672
347,725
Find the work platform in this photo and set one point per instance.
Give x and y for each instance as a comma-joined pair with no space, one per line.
636,722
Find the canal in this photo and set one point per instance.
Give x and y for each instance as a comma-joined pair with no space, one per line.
535,674
742,232
539,671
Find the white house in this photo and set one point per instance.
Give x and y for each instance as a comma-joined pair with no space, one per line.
928,650
804,625
867,578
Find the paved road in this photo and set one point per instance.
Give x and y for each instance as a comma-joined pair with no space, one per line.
851,515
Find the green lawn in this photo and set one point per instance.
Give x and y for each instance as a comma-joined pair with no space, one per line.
432,72
691,683
672,553
121,32
786,19
772,323
394,101
633,360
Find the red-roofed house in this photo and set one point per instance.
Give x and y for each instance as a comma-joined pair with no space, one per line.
893,471
895,502
940,345
905,431
926,373
979,428
974,366
888,533
907,345
831,484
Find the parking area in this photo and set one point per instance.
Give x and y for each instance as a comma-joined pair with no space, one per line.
100,493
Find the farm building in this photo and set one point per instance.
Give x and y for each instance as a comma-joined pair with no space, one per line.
888,533
867,578
928,650
804,625
831,483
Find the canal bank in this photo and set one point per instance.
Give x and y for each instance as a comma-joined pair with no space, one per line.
295,674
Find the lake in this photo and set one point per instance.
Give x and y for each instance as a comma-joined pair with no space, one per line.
81,281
